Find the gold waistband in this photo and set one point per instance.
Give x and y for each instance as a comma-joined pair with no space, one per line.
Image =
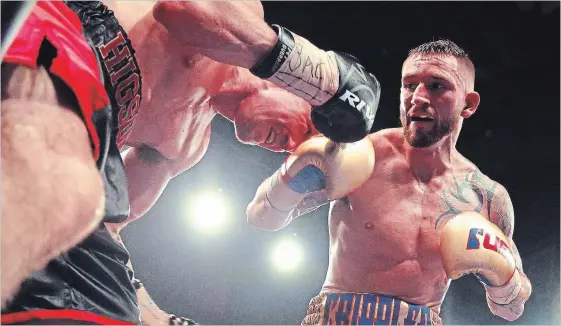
366,309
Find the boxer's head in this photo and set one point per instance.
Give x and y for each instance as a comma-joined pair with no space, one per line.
274,119
437,92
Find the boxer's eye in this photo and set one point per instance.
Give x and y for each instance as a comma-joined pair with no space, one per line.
436,85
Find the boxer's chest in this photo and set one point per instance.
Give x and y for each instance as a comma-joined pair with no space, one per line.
406,216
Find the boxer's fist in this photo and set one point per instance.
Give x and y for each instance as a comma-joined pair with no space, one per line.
469,243
349,115
319,164
344,96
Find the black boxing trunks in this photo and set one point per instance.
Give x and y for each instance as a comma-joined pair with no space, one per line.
366,309
89,284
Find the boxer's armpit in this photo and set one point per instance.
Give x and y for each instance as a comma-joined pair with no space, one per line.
150,155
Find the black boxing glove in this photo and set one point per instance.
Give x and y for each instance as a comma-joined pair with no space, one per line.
349,115
343,95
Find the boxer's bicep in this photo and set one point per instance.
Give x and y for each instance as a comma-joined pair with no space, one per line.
502,215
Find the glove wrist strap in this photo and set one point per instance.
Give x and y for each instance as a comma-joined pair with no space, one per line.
269,65
278,189
300,67
506,293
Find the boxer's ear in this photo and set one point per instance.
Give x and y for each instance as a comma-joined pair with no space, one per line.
472,102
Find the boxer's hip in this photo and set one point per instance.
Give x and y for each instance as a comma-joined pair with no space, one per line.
92,277
366,309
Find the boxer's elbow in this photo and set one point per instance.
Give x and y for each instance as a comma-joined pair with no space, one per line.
262,218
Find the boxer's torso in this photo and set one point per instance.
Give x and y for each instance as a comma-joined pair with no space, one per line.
384,237
178,84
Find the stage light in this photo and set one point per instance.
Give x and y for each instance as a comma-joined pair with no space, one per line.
209,212
287,255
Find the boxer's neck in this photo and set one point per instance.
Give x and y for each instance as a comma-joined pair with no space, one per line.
435,160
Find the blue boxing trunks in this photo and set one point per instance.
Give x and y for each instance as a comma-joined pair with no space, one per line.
366,309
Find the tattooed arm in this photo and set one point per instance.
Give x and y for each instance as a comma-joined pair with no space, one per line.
502,214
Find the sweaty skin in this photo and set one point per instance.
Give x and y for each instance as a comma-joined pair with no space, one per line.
384,237
182,91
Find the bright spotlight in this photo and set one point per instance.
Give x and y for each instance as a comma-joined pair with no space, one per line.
287,255
209,211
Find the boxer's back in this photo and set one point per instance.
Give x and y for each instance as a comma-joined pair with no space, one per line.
384,237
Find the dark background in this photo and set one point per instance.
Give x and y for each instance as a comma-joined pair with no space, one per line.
513,138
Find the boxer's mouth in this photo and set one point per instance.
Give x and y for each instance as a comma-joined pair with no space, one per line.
270,137
421,118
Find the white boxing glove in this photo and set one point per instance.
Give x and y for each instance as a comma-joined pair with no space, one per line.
470,243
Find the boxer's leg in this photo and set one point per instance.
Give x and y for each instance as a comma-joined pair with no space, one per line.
52,193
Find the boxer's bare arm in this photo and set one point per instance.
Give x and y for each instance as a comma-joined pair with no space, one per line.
502,214
288,193
52,193
262,215
232,32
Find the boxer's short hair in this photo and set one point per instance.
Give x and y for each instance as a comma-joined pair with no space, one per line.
444,47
